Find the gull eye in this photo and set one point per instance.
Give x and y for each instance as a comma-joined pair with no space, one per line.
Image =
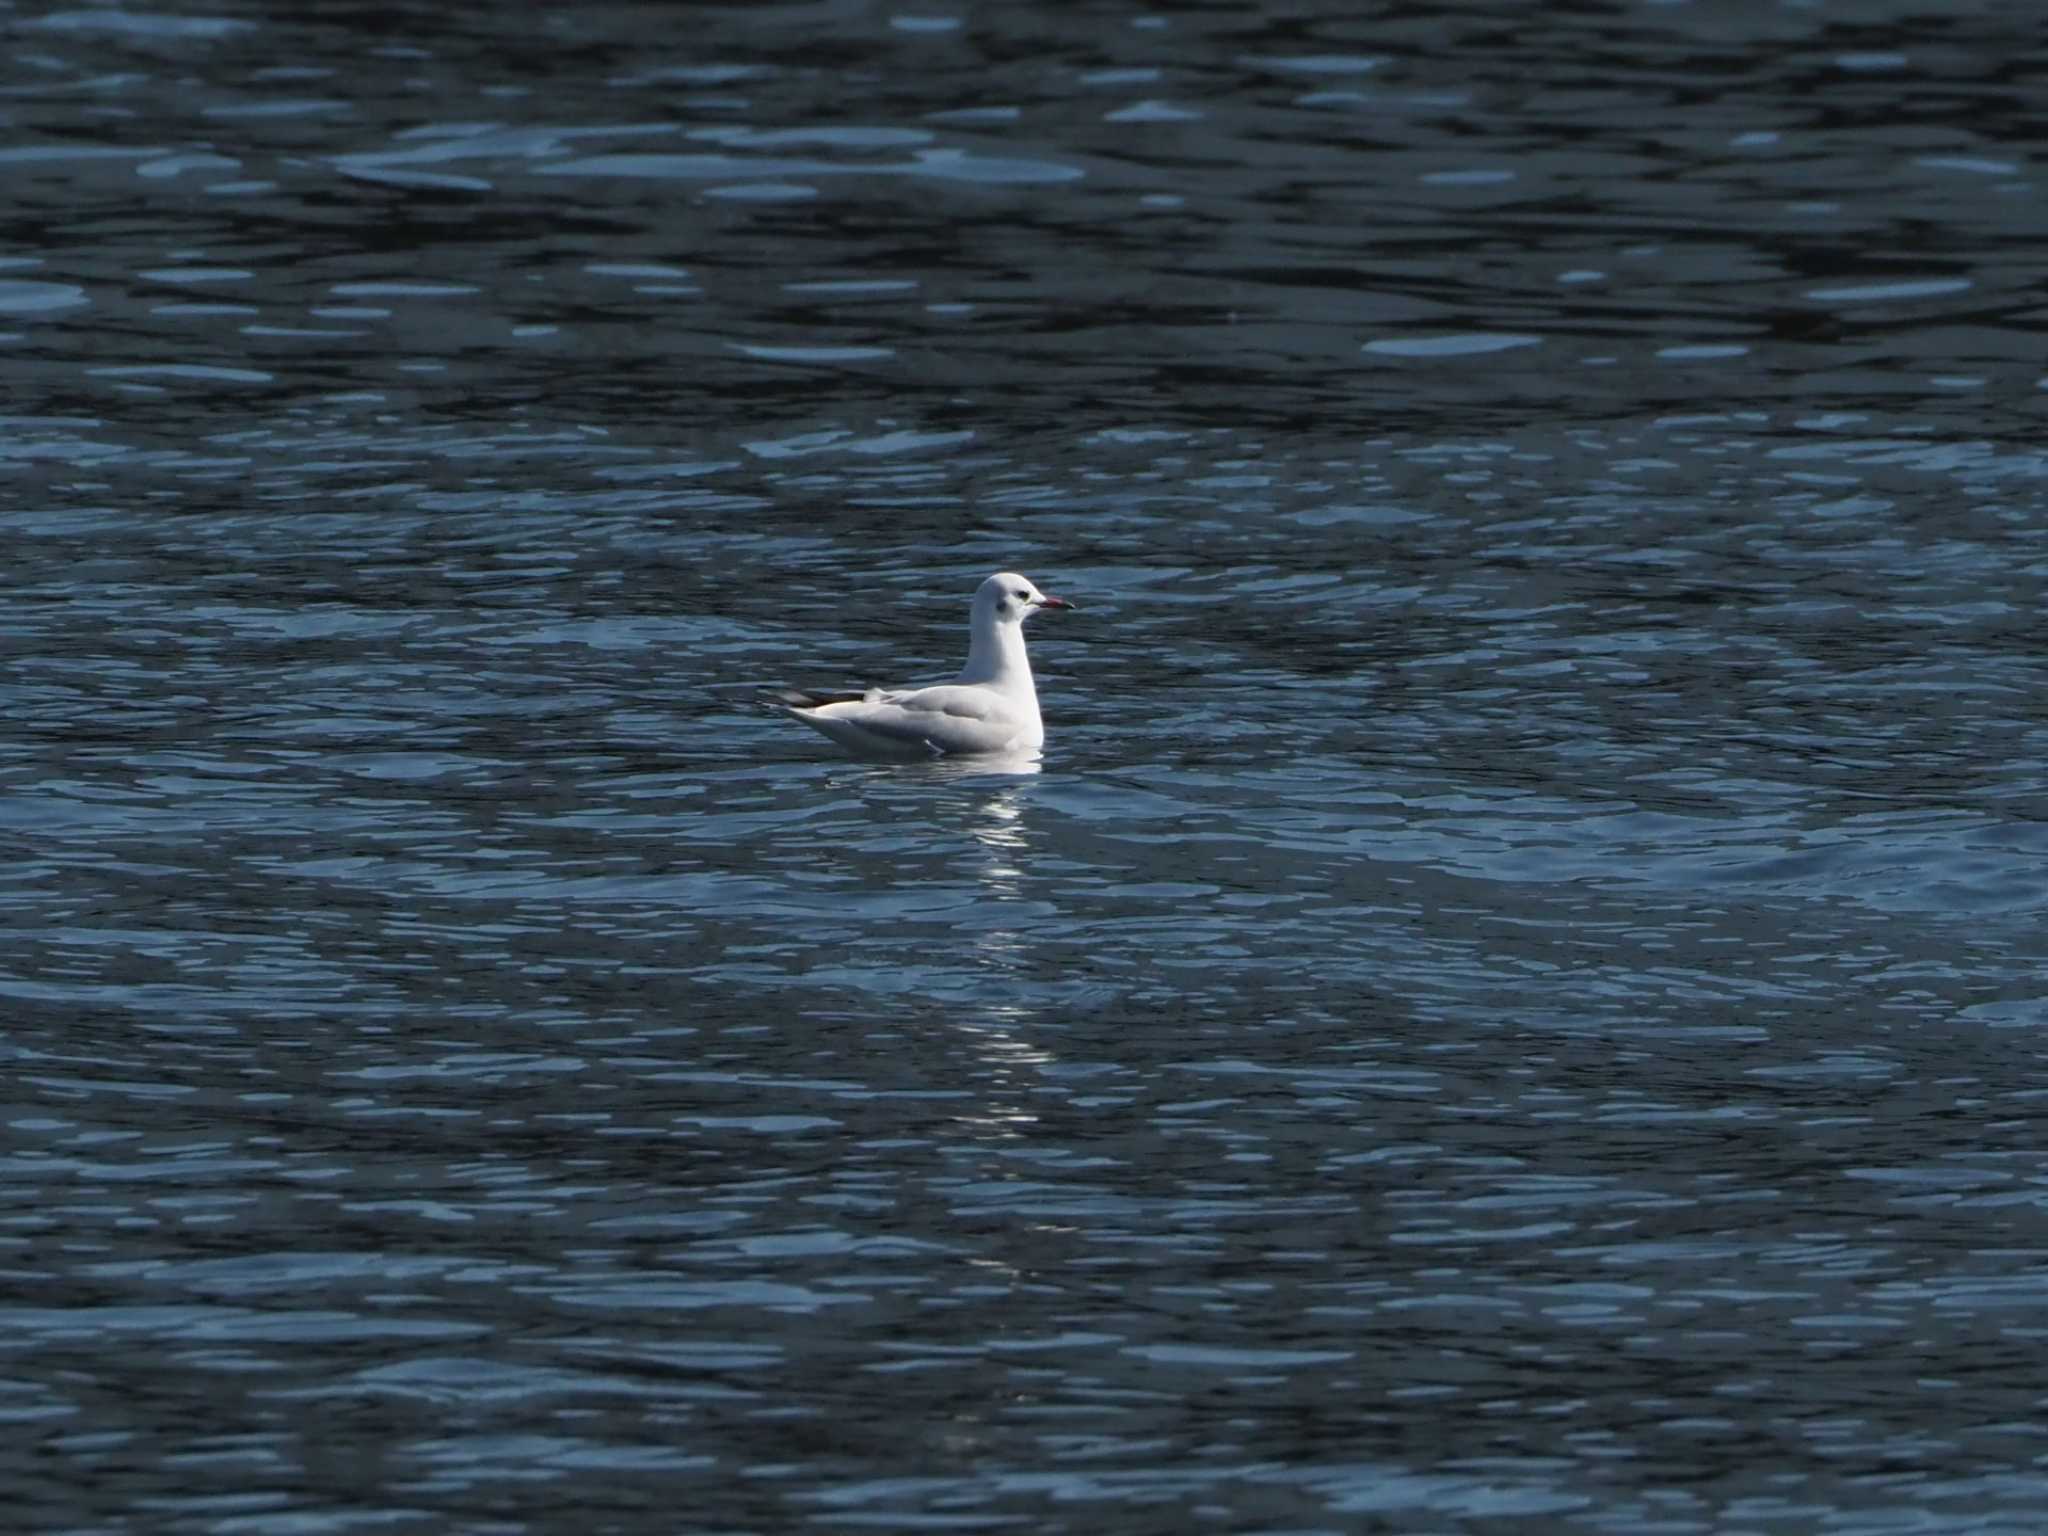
1020,593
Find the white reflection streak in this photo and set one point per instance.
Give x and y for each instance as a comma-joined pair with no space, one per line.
1000,830
1009,1067
996,1030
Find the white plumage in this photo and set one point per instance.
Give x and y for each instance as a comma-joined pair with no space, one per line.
992,706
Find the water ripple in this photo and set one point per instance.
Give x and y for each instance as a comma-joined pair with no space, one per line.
1510,998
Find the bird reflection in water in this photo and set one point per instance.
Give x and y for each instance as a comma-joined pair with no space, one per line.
1001,1034
987,765
999,826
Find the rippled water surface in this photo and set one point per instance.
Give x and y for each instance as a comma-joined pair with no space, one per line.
1513,1000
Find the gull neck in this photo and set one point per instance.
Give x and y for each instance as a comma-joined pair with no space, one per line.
995,654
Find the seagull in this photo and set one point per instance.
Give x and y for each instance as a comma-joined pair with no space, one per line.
990,707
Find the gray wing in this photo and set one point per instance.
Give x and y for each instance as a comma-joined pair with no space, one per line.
812,698
952,717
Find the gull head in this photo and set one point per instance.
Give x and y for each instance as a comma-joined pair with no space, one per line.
1007,598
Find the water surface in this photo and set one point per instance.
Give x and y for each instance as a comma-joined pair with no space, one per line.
1511,1001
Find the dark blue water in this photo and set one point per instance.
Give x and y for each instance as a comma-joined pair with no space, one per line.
1513,1000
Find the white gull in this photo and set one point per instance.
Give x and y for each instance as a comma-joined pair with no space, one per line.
992,706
